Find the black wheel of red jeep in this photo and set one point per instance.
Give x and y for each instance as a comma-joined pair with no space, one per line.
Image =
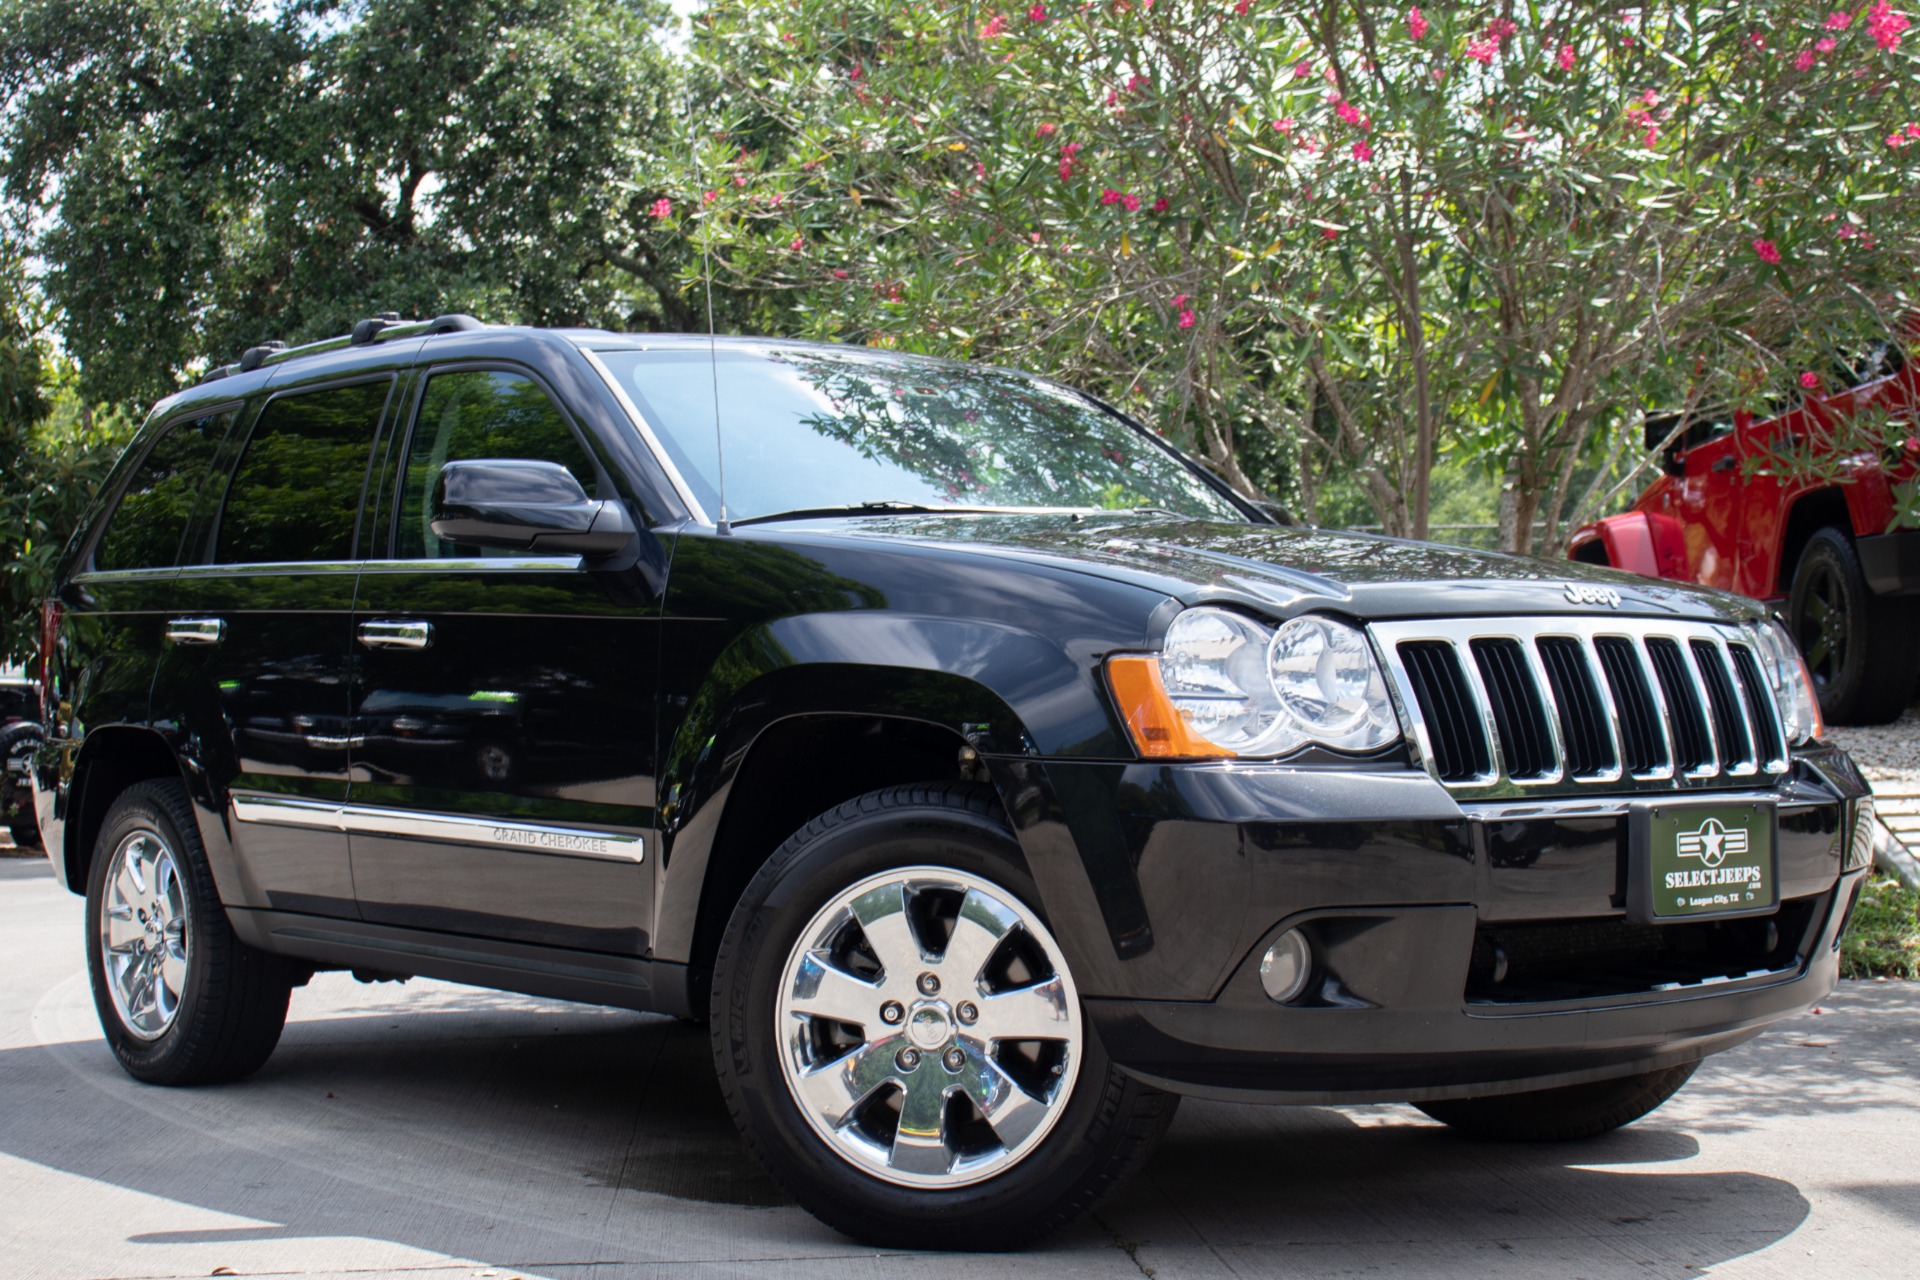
181,999
899,1038
1565,1114
1859,648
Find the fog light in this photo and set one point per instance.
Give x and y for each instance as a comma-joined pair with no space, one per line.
1285,968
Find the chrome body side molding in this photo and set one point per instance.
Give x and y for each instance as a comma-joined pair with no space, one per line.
448,828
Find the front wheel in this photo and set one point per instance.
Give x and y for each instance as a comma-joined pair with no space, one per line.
1566,1114
181,999
1859,647
899,1038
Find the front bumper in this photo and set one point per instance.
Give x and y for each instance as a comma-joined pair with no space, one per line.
1460,950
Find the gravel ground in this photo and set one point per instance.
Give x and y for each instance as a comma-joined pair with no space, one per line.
1888,753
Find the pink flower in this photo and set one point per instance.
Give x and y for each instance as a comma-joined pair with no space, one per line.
1896,140
994,27
1768,251
1810,380
1885,26
1565,57
1283,126
1650,98
1501,28
1838,20
798,244
1045,130
1109,196
1847,232
838,274
1131,203
1243,7
1328,233
1181,300
1482,51
1346,111
1362,152
1160,205
1186,319
1913,131
1804,61
662,208
708,197
1757,40
1825,44
1037,14
1417,24
1136,83
1301,71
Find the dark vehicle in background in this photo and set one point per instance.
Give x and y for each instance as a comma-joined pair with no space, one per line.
987,773
1820,551
20,737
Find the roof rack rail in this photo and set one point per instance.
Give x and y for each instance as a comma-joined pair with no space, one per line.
380,327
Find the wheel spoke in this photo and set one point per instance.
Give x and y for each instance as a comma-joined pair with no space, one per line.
977,933
882,914
920,1143
822,990
1038,1012
1011,1111
835,1091
1818,653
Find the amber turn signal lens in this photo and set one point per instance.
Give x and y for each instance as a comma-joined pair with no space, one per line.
1155,724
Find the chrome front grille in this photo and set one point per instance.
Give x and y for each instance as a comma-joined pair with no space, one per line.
1528,706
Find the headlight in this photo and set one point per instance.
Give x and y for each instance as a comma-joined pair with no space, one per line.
1792,686
1225,685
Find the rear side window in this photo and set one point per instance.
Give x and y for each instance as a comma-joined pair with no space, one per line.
145,530
296,493
478,413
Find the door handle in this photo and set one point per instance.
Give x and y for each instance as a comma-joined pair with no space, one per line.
396,635
1724,464
196,630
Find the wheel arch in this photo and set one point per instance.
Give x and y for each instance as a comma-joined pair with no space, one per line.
112,758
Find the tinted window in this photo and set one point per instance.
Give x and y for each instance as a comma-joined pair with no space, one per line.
296,493
814,427
478,414
147,527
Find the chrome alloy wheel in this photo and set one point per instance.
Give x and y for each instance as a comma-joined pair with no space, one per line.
143,934
930,1032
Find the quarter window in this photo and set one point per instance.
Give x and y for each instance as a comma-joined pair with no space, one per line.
296,494
478,413
147,527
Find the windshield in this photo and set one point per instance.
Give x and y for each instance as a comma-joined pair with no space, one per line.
808,429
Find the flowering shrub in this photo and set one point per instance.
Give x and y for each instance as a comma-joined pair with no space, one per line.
1341,245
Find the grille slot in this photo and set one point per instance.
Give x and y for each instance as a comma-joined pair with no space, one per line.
1519,715
1583,717
1729,724
1506,707
1447,704
1760,709
1645,746
1692,747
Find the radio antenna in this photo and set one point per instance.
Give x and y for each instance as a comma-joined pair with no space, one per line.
723,526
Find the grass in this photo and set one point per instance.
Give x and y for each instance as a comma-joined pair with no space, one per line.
1883,938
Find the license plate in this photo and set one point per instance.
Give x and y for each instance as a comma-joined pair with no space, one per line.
1689,859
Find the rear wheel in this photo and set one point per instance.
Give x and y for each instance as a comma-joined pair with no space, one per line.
1565,1114
1860,648
18,742
899,1038
181,999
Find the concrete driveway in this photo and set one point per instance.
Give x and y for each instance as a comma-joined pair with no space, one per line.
435,1130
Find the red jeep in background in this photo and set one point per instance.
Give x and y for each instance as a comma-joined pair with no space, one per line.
1818,549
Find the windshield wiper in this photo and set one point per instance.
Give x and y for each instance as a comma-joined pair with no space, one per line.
886,506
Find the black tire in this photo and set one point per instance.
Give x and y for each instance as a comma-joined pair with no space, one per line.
232,1001
1860,648
1567,1114
1105,1128
18,742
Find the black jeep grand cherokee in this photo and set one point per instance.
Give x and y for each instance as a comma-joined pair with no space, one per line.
988,773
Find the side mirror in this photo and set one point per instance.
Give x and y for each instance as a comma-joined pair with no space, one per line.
522,505
1274,512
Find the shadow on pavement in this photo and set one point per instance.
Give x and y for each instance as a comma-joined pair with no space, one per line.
487,1126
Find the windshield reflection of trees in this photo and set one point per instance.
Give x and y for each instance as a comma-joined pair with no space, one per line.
988,437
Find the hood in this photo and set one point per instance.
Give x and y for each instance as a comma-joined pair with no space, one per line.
1292,570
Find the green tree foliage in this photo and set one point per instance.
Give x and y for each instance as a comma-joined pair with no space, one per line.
215,173
1374,233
